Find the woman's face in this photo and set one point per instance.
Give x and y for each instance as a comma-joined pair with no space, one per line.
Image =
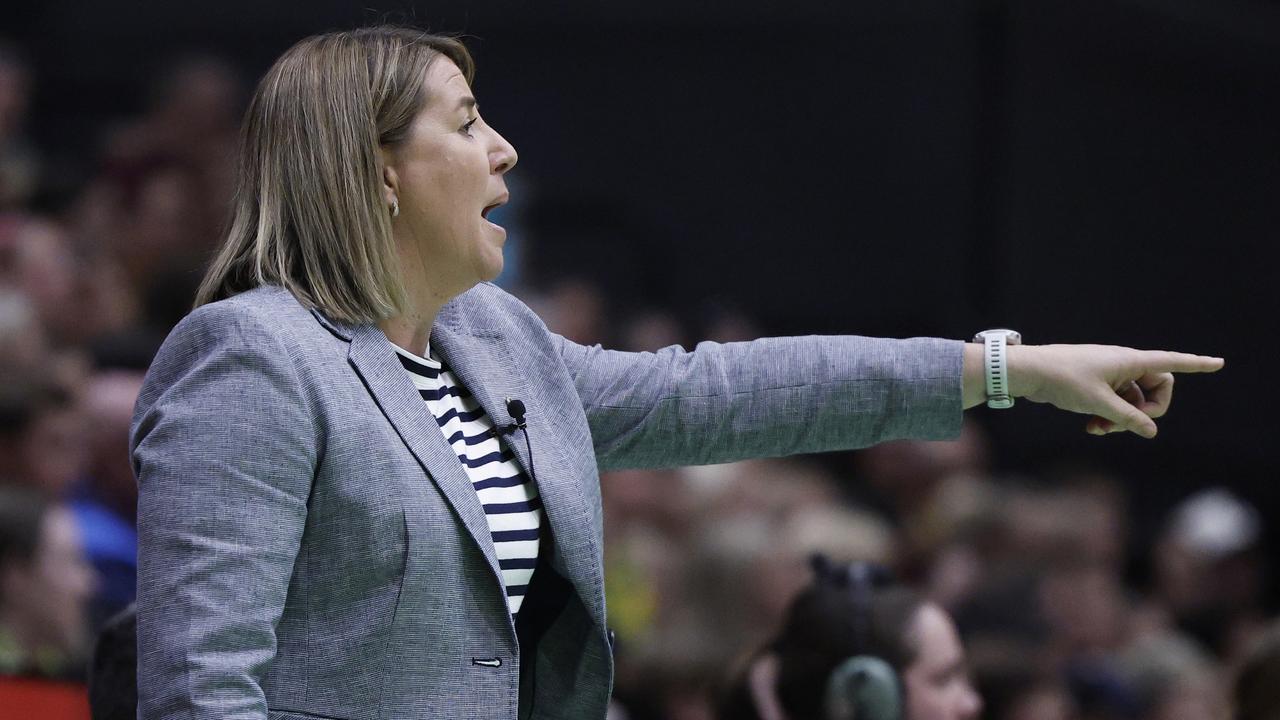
446,175
937,682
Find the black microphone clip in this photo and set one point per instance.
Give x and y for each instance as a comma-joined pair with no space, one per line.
515,408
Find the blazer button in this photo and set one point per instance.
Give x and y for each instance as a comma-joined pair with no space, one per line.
612,639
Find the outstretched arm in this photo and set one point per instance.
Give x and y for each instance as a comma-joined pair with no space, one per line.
782,396
765,398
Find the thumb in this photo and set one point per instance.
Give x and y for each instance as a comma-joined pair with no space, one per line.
1126,416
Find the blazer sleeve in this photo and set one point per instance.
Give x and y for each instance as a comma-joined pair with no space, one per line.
224,449
764,398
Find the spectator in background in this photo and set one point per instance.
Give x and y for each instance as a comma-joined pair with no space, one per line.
39,261
44,585
23,346
41,435
835,620
1209,569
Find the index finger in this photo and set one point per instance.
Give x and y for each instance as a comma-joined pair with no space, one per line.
1165,361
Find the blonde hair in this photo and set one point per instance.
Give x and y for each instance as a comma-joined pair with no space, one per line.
309,213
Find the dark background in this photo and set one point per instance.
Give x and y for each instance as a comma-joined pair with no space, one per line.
1082,171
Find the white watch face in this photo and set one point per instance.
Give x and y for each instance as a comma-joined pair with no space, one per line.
1012,337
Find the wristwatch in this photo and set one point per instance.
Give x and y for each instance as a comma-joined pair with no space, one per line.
996,361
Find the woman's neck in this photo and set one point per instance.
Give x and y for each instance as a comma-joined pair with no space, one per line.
411,330
407,334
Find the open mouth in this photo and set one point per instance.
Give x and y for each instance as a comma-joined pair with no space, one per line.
489,208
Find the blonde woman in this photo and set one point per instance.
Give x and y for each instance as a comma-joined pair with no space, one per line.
340,513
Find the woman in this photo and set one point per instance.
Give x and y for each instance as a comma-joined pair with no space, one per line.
907,650
339,512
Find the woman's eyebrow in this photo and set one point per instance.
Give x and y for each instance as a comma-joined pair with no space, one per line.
468,102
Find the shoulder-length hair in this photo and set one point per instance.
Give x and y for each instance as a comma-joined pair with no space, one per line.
309,212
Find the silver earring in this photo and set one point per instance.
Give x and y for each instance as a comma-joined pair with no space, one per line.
395,208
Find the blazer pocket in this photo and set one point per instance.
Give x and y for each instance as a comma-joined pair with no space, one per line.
294,715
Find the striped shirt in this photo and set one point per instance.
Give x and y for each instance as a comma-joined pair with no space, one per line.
511,503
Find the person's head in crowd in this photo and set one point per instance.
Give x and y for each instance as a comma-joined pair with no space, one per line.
109,407
42,442
23,346
1256,694
45,584
849,612
36,258
1209,567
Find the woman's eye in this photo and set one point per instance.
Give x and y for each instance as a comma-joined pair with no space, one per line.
466,129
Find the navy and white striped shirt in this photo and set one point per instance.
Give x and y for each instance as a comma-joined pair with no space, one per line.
511,503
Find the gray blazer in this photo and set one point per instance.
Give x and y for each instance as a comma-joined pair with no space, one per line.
310,546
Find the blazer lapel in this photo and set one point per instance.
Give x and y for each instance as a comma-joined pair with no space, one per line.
374,359
483,361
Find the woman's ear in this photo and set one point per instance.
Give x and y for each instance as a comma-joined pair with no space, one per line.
390,180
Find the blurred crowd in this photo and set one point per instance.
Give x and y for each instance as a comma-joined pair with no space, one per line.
1066,612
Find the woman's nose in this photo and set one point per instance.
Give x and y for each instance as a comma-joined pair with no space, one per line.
503,157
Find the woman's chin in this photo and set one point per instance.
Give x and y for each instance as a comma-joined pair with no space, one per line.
492,269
